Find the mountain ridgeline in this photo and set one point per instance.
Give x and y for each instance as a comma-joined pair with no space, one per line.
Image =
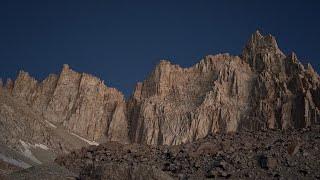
261,89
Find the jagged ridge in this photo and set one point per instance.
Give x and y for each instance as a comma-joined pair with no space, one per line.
262,88
79,102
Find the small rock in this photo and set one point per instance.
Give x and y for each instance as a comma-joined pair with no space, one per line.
212,174
267,162
173,168
218,172
290,162
197,165
182,177
224,174
305,154
144,159
89,155
167,154
263,161
303,172
272,163
166,166
293,148
223,164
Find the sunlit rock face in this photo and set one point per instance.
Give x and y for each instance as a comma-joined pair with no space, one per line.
80,102
260,89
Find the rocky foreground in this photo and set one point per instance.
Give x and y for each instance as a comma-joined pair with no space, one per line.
269,154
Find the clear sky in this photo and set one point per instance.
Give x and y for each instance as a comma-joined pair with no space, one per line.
121,41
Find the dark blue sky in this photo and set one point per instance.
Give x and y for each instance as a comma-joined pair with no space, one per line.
122,41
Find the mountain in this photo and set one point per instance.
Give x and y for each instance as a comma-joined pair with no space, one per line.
258,90
78,101
41,120
262,88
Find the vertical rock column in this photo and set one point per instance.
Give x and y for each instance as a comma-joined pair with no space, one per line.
64,96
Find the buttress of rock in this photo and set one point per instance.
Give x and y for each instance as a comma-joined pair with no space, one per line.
262,52
176,105
79,102
260,89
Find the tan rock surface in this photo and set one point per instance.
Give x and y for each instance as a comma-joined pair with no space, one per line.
79,102
261,89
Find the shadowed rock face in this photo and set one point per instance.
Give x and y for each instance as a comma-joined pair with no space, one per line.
262,88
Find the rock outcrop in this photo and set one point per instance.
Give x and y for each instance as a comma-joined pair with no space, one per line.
79,102
260,89
23,130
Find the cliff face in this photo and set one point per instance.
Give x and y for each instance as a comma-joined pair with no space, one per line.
260,89
79,102
285,93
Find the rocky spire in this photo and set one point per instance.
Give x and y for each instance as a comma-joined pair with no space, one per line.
87,107
312,73
262,52
9,85
310,68
293,57
261,44
1,83
65,67
222,93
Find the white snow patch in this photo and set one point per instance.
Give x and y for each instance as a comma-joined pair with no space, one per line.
14,162
41,146
27,152
50,124
86,140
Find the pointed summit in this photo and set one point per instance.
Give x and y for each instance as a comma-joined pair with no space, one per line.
65,66
256,35
66,71
293,57
23,75
259,49
261,44
310,68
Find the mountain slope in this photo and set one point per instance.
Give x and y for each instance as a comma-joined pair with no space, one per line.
269,154
79,102
24,131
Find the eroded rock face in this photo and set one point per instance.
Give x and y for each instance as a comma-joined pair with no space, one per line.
261,89
79,102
